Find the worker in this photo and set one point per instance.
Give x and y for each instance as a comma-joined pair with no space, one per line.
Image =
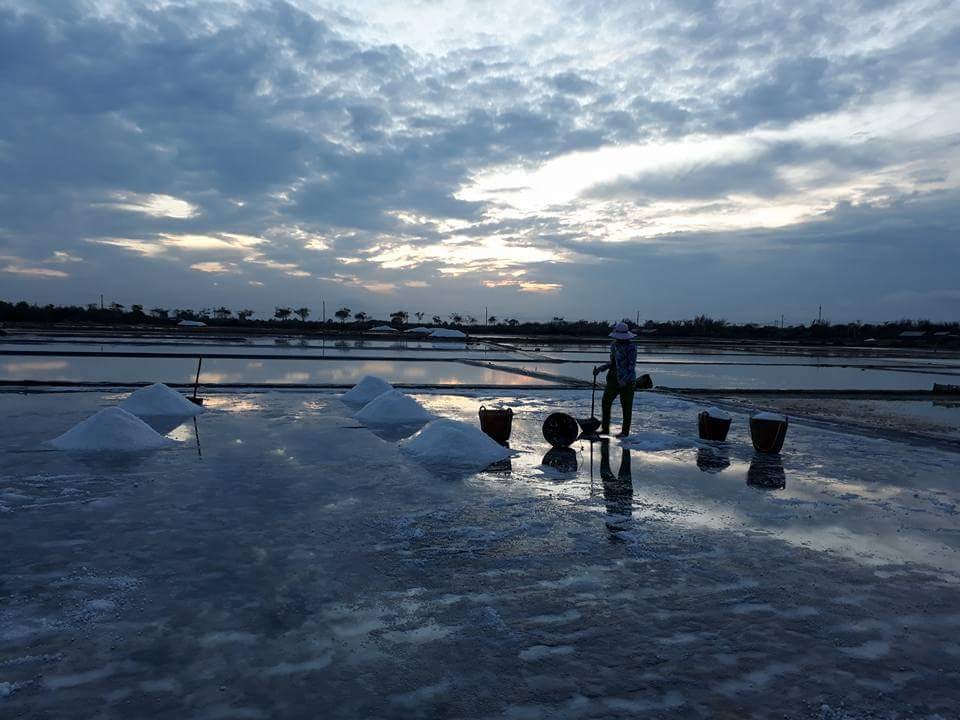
621,377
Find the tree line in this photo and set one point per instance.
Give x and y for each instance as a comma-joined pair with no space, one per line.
345,319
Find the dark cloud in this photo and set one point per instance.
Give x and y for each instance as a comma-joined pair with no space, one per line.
289,123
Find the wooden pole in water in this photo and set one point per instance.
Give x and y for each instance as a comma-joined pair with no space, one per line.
196,382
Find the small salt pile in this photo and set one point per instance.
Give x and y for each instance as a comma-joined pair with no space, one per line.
447,333
393,408
366,390
159,400
112,429
717,413
776,417
455,444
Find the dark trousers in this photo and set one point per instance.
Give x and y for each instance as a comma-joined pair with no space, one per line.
610,392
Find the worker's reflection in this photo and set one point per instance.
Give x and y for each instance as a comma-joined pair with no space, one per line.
766,471
617,490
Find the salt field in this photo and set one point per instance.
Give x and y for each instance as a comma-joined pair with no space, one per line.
277,557
294,543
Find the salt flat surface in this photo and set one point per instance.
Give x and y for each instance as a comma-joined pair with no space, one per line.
281,558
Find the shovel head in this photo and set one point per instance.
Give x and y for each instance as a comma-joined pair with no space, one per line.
589,425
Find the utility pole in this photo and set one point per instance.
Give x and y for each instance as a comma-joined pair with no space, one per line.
781,321
638,318
101,301
324,302
819,314
485,316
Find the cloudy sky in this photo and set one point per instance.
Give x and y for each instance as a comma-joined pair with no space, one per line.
581,158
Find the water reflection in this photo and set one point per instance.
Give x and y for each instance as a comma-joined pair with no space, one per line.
165,423
713,459
502,467
617,490
766,472
562,459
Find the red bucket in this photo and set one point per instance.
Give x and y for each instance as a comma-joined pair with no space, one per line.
497,423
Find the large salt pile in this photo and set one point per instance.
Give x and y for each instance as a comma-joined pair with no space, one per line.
454,444
159,400
366,390
420,331
112,429
393,408
447,333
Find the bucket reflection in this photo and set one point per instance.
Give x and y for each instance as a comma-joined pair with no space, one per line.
712,460
766,472
563,459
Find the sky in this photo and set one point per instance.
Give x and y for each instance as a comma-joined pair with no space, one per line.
578,158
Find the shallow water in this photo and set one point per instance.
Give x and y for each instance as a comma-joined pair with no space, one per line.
278,560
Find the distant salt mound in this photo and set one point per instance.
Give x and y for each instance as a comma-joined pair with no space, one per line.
770,416
159,400
393,408
650,441
370,388
421,331
717,414
191,323
383,328
454,444
447,333
112,429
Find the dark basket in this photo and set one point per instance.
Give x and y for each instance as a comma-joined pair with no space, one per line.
712,428
644,382
559,429
768,435
497,423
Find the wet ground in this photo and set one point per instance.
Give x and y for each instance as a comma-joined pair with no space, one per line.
281,562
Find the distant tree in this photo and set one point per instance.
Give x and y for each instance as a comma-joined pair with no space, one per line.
471,320
116,307
399,317
360,316
282,313
455,318
342,314
419,316
558,320
92,307
137,310
512,322
244,315
437,320
492,320
160,313
222,313
303,313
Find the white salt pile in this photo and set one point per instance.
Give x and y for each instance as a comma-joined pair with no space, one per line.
447,333
770,416
191,323
650,441
454,444
717,413
366,390
383,328
112,429
421,330
159,400
393,408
